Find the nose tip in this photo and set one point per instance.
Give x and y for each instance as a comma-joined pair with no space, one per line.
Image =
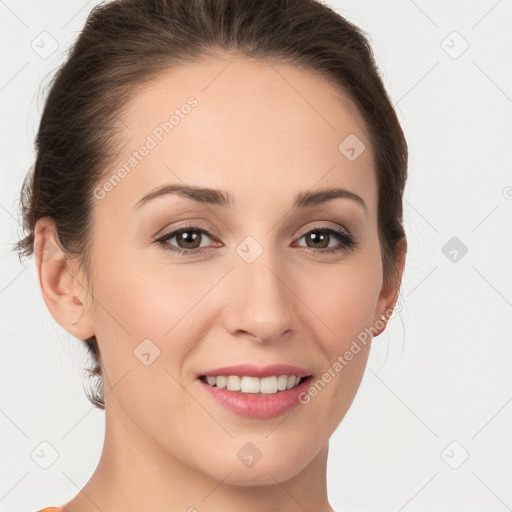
260,303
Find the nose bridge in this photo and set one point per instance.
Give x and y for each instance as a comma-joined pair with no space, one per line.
260,301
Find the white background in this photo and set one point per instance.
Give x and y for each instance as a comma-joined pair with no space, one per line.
439,374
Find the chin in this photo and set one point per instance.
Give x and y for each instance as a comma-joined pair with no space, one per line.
254,477
261,470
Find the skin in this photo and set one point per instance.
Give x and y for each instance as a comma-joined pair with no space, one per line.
263,131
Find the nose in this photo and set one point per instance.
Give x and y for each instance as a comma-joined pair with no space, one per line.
260,303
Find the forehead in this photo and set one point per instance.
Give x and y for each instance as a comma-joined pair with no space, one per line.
253,127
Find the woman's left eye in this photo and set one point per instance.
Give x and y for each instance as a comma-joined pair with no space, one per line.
190,238
323,235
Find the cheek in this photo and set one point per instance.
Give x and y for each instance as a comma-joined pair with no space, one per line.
142,302
148,319
344,298
344,301
143,342
346,309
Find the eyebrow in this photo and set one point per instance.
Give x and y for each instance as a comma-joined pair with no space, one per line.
212,196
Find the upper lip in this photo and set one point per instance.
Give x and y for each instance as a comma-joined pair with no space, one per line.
249,370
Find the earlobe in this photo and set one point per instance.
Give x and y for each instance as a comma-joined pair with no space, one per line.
60,286
382,322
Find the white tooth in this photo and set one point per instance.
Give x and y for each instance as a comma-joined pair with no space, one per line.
246,384
233,383
250,385
282,380
268,385
291,382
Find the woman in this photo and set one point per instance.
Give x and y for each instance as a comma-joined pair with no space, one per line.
216,210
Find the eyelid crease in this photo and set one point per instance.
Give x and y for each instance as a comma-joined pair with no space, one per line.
188,224
333,225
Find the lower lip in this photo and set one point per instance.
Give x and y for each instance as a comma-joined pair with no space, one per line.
258,406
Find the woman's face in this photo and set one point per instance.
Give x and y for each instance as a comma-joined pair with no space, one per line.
259,288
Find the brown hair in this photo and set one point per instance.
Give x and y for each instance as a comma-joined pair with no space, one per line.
126,43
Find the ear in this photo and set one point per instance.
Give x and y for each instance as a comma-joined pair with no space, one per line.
64,291
389,293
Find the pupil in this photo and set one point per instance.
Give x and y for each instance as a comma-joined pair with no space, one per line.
323,237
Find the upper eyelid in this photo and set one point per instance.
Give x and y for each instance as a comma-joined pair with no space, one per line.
210,230
329,226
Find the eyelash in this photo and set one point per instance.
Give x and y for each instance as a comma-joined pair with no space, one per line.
348,241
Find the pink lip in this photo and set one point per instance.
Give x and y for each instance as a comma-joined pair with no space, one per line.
257,406
257,371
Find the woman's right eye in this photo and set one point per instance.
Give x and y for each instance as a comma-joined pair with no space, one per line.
188,237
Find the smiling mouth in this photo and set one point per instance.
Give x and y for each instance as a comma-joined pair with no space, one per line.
254,385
